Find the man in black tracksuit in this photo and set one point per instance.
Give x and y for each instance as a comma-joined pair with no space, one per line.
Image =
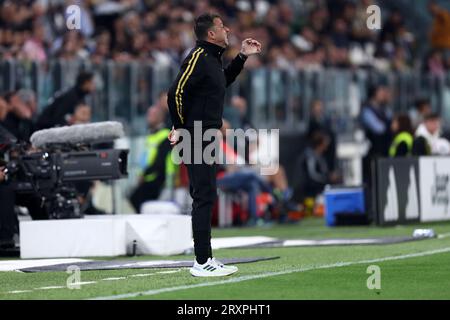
197,94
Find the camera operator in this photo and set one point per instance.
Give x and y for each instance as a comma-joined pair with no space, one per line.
13,117
8,219
8,222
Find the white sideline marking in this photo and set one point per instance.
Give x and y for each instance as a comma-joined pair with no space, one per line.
104,279
82,283
19,291
170,271
50,288
271,274
142,275
53,287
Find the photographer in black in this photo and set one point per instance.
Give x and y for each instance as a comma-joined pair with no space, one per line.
8,220
8,196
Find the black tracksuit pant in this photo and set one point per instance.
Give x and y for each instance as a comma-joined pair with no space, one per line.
203,190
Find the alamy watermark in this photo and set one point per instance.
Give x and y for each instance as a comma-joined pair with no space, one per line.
74,280
206,146
374,280
373,22
73,17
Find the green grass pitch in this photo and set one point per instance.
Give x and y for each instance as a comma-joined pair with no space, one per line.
412,270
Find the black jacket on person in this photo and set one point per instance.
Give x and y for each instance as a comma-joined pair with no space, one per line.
62,104
22,129
198,92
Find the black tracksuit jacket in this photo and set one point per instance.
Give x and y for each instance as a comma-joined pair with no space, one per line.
198,91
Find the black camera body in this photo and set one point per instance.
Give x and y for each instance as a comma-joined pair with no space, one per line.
51,173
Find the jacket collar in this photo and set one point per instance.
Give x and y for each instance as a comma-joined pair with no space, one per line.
212,48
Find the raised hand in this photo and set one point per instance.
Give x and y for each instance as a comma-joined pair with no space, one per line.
250,46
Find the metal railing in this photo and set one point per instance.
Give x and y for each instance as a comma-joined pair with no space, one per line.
277,98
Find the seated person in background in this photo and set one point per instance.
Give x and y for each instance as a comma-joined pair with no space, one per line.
278,181
239,177
247,177
428,139
402,143
312,172
158,167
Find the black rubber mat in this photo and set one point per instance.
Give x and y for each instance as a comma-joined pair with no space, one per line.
136,264
333,242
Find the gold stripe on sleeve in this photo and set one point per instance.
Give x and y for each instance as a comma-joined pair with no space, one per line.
183,80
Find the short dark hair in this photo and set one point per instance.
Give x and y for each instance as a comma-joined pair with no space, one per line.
318,138
203,23
373,89
9,95
421,103
81,104
404,123
83,77
432,116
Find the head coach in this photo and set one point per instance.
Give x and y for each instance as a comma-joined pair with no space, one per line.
197,94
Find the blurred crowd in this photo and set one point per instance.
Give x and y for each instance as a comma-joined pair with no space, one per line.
325,33
418,132
300,33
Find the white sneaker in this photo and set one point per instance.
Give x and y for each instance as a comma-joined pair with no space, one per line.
211,269
220,264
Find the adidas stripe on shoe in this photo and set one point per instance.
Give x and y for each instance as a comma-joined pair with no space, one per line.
211,269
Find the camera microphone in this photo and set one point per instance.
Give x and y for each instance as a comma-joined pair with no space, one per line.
78,134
